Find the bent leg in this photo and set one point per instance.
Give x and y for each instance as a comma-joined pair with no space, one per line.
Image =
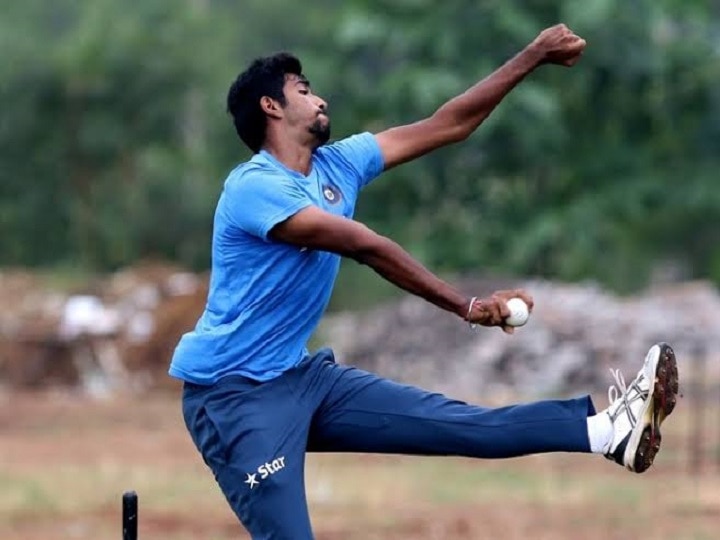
254,440
366,413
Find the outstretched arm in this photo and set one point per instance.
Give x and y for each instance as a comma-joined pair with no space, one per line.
458,118
314,228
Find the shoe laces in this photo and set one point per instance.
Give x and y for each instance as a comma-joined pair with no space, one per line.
620,391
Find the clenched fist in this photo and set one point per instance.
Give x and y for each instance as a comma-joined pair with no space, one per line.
559,45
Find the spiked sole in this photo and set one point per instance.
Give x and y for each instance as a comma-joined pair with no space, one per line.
661,404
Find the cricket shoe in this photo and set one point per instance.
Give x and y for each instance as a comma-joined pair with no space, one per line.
636,411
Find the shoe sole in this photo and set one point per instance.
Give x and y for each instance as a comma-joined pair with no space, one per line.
658,407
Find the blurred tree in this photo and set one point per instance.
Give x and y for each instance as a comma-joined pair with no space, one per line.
114,139
602,171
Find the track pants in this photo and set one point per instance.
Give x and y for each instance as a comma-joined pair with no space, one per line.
253,436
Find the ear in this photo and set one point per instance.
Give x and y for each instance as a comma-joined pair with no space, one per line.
271,107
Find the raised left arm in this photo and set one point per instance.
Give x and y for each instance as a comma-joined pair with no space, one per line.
461,116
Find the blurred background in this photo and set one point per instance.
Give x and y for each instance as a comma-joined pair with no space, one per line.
596,188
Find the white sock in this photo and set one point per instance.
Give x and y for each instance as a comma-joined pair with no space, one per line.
600,432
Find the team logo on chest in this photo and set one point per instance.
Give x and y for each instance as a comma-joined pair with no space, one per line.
331,194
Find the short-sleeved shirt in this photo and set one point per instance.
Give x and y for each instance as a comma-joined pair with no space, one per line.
266,298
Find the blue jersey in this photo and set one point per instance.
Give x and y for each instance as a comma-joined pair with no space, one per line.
266,298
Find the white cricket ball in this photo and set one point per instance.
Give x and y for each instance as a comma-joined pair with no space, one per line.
519,312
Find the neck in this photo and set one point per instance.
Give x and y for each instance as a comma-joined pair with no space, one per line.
294,156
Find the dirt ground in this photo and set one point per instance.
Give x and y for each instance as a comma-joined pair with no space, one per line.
65,461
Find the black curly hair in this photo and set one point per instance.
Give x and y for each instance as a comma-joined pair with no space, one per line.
264,77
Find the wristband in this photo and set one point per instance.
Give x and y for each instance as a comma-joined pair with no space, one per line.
467,317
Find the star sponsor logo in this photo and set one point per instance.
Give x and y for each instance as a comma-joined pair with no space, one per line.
251,480
263,471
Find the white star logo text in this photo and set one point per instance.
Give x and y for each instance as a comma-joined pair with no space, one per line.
265,470
251,480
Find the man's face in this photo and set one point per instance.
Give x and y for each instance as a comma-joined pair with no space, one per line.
306,111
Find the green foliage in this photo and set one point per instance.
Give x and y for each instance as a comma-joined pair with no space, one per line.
114,140
594,172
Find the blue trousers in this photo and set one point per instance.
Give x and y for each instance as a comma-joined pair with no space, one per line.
253,436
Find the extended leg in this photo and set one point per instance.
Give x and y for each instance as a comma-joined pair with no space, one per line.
366,413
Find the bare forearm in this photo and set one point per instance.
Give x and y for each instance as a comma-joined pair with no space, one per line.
397,266
468,110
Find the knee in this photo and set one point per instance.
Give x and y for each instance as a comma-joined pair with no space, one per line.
269,504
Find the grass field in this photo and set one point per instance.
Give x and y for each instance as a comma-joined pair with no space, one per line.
65,461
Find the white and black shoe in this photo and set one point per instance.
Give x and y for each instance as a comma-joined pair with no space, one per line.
636,411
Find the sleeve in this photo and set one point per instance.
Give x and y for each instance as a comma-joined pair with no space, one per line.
360,154
259,200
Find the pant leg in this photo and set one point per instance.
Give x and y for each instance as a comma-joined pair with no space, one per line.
253,437
366,413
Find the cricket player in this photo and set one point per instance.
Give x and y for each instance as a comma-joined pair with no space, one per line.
255,400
